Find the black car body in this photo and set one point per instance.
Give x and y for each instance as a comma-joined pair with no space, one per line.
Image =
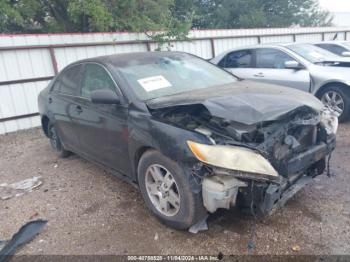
235,143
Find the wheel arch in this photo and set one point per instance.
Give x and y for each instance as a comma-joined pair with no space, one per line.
333,83
45,125
137,156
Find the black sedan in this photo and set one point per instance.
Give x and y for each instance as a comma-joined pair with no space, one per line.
192,136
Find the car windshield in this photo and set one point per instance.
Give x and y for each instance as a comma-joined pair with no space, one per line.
312,53
172,73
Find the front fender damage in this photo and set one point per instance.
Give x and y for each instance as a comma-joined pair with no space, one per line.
296,145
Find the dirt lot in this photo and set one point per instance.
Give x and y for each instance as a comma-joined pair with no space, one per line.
92,212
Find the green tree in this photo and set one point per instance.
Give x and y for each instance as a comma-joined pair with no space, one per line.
258,13
92,15
170,18
282,13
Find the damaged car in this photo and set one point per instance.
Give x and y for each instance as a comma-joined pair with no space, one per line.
193,137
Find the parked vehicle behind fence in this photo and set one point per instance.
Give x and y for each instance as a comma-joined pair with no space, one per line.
192,136
341,48
301,66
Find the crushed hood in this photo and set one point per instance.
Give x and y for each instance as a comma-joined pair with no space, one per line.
245,102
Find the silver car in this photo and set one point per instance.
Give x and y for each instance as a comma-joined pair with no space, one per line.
302,66
341,48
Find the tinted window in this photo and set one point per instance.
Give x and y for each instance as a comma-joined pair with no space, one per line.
95,78
271,58
69,80
333,48
238,59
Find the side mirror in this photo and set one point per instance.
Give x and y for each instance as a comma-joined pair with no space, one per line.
293,65
104,96
346,53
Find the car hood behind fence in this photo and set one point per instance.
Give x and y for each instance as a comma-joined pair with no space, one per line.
245,102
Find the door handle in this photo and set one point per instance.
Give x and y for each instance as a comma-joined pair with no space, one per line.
259,75
78,109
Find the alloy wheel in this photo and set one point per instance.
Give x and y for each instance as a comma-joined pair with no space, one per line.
162,190
334,101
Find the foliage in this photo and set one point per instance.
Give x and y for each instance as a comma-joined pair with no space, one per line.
259,13
91,15
162,20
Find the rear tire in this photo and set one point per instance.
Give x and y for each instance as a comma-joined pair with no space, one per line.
56,143
335,97
182,207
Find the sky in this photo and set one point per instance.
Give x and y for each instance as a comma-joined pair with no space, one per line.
336,5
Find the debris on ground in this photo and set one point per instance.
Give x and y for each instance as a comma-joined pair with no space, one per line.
199,226
26,233
296,248
156,237
8,191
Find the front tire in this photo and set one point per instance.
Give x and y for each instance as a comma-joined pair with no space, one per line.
56,143
336,99
165,188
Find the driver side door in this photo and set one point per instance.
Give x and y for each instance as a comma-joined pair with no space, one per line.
103,132
270,68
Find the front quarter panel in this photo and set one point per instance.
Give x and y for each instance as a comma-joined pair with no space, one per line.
323,75
148,132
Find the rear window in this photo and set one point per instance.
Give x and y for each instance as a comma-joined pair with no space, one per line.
69,81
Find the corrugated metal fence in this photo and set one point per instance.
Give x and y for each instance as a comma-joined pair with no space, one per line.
28,62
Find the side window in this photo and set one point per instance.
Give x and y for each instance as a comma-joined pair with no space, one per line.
69,81
271,58
96,77
238,59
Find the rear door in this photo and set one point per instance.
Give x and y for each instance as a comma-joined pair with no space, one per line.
103,132
270,68
62,104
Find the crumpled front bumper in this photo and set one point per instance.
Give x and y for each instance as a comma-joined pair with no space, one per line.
276,195
267,194
304,160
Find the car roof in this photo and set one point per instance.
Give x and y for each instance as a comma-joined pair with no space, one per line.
122,59
331,42
274,45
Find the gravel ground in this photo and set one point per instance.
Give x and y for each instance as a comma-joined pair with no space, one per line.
92,212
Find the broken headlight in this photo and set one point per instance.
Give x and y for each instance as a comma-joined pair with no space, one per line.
233,158
330,121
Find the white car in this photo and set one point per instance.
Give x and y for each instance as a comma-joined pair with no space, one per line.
302,66
341,48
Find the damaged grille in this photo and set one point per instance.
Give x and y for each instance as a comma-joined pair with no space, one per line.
279,141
